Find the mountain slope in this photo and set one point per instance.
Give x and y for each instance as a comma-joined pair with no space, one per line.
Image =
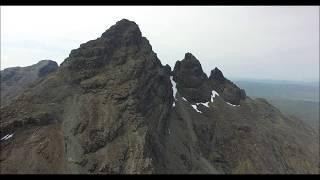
112,108
249,137
299,99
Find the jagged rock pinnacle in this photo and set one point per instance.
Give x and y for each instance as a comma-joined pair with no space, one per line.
226,88
123,28
120,41
216,74
191,79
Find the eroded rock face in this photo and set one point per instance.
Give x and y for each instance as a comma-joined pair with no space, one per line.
109,108
126,97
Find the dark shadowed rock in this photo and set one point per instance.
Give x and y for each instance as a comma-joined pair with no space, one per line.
51,66
191,80
227,89
217,75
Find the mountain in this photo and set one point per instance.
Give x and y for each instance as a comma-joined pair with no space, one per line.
112,107
16,79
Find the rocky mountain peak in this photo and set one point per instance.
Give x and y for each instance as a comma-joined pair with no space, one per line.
216,74
189,67
122,45
191,64
124,29
193,83
226,88
190,79
190,57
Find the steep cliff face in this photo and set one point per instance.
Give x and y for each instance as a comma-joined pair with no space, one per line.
112,107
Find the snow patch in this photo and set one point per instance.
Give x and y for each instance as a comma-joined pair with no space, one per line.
174,87
213,95
195,108
6,137
232,104
205,104
197,104
174,90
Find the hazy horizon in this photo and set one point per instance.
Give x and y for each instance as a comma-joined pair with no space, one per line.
259,42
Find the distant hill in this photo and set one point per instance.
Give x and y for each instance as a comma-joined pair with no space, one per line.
281,89
16,79
298,99
304,110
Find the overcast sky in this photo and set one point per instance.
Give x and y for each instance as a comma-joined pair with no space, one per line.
271,42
